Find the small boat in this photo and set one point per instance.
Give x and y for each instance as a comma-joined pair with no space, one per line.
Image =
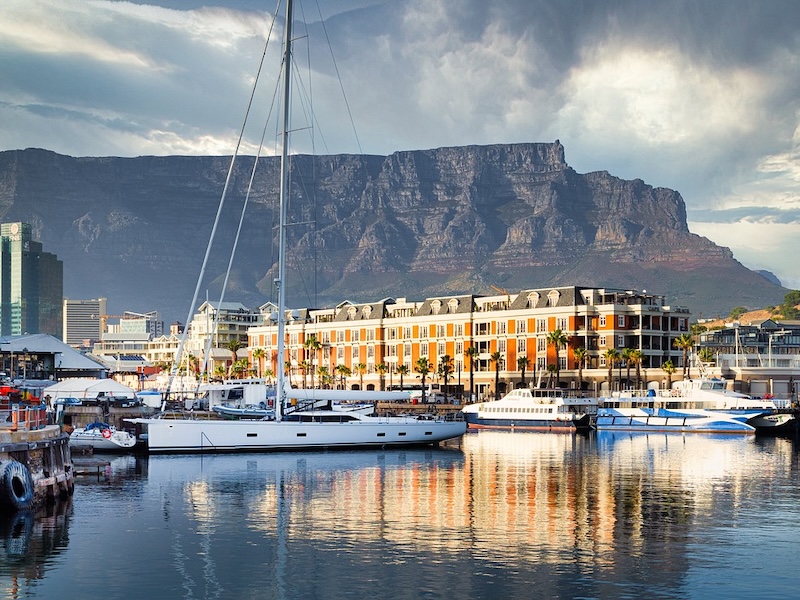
525,408
101,437
779,422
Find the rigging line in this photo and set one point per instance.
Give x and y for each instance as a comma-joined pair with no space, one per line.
339,77
201,276
239,229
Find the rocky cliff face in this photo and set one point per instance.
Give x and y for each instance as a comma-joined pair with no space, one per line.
418,223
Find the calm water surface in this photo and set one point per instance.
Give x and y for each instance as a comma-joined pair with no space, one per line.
500,515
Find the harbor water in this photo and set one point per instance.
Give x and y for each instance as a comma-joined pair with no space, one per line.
497,515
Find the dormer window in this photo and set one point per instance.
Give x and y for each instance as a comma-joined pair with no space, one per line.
533,299
436,306
552,298
351,313
452,305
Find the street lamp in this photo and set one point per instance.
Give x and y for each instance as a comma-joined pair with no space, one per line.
25,364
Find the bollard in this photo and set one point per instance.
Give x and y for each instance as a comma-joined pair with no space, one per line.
14,417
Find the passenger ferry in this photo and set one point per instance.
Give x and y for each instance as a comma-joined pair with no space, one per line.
544,409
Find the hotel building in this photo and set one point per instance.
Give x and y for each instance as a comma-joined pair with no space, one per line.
372,340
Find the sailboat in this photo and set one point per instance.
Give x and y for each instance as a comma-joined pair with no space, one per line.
306,425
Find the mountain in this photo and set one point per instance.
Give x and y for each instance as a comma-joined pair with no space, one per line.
471,219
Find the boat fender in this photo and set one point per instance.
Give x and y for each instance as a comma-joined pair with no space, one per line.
16,485
107,433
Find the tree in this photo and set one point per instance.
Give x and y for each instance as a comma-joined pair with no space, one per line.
706,355
313,345
472,355
497,359
636,357
402,370
445,370
558,340
580,355
423,367
219,371
737,312
612,356
234,346
684,342
258,355
343,371
626,357
305,365
551,374
382,369
360,368
669,369
522,364
323,376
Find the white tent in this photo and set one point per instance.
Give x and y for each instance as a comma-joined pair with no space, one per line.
88,388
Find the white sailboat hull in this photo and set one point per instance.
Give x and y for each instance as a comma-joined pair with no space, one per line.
187,435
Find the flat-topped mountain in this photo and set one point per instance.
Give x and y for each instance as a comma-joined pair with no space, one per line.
473,219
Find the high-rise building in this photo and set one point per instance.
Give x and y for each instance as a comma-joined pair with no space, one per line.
31,284
83,321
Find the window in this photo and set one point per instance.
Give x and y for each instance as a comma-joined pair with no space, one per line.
441,331
354,335
602,320
458,330
522,345
522,326
561,323
339,353
501,345
620,320
562,362
541,363
602,341
340,337
533,299
407,349
355,353
459,348
552,298
482,329
501,327
441,349
370,335
391,350
423,332
392,333
452,305
541,344
620,341
436,306
541,325
370,351
406,333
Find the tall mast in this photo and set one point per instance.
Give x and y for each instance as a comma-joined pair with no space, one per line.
284,201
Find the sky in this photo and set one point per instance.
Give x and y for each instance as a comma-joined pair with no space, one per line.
699,96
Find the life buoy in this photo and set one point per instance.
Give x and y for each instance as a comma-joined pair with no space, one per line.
107,433
16,485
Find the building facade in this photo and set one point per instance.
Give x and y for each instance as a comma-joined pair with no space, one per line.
31,284
83,325
375,342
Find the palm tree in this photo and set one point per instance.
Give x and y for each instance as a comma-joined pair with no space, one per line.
522,364
684,342
706,355
402,370
287,368
612,356
497,358
382,369
323,376
669,369
258,355
268,374
580,355
306,366
472,355
360,369
445,371
557,339
423,367
343,371
219,371
312,344
626,358
234,346
636,357
551,372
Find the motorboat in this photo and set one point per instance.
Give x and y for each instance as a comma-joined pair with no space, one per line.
533,408
101,437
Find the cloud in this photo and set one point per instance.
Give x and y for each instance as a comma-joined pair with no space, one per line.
698,96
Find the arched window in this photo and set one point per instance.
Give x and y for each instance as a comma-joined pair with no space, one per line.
552,298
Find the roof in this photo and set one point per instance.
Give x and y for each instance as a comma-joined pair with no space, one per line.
68,358
88,388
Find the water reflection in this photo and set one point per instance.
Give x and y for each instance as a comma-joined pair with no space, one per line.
607,515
